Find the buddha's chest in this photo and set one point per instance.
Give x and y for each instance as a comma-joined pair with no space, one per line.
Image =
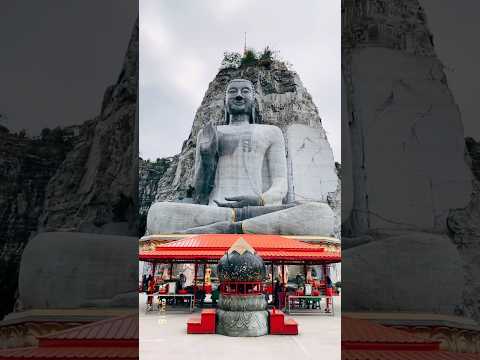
241,142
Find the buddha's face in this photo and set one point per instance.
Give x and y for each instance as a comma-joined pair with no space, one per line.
240,97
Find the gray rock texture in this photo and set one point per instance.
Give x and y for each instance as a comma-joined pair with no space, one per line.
464,227
397,107
26,167
390,111
282,100
96,184
149,175
391,24
312,166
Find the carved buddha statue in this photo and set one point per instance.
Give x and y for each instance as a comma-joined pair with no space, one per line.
240,180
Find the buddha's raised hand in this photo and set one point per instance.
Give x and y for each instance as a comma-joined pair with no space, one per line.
208,139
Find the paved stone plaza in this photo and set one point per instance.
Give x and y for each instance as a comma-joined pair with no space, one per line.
165,337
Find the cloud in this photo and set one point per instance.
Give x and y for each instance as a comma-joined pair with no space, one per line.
182,44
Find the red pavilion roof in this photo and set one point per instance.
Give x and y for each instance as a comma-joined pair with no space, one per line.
214,246
363,334
366,340
115,338
406,355
70,353
120,328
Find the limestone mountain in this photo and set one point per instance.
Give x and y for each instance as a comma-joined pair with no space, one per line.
26,167
281,100
97,182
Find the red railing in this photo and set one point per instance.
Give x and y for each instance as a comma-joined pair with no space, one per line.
242,287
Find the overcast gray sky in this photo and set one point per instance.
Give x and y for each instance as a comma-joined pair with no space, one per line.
456,28
58,57
182,45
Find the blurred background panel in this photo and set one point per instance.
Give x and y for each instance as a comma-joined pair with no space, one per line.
68,165
410,142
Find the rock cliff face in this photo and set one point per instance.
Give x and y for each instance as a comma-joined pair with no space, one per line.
81,178
282,100
149,175
95,187
404,165
464,227
389,113
26,166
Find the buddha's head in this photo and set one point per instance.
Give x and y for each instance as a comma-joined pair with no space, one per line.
240,99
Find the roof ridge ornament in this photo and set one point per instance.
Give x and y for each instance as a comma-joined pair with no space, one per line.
241,246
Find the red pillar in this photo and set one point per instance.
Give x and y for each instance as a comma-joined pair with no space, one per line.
273,273
154,267
283,273
171,270
204,271
327,292
195,284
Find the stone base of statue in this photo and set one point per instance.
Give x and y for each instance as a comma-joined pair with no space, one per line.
243,322
242,302
239,315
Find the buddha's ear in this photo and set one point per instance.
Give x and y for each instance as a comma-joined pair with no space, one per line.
226,116
254,118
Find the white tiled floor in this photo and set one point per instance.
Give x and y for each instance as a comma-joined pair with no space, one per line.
166,338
